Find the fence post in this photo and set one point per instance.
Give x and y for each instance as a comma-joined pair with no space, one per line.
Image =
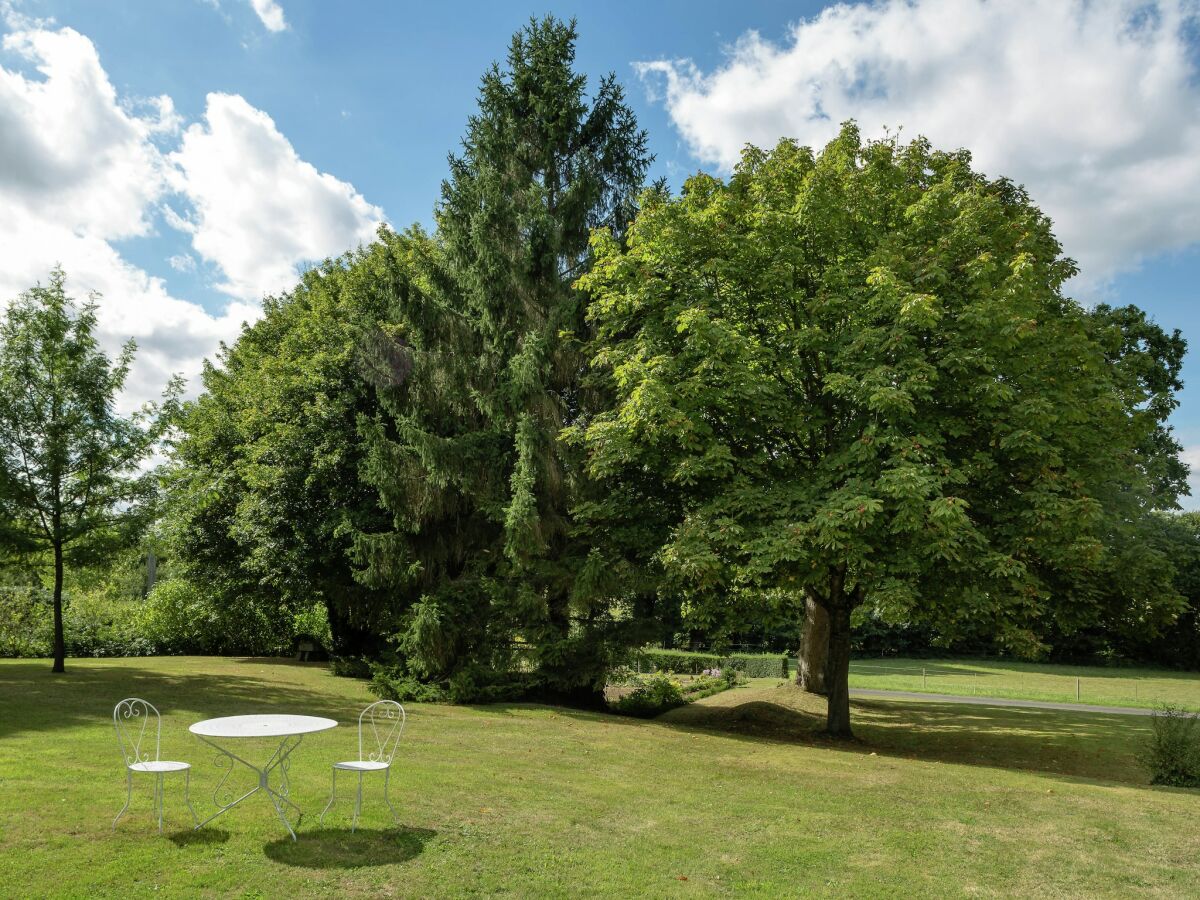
974,682
1077,689
922,678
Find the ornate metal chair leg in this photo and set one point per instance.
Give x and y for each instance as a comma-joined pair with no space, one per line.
332,797
187,795
387,774
357,804
128,796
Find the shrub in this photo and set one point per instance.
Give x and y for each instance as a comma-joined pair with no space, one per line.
689,663
388,683
180,616
1172,754
95,625
25,622
313,623
352,667
658,693
472,684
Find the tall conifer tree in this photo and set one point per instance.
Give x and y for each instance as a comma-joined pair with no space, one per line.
492,337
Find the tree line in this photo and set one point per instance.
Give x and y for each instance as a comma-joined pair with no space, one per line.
840,383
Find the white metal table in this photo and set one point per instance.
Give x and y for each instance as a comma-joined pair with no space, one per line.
289,729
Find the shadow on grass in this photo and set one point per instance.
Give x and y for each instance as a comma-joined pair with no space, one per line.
205,837
33,699
340,848
1076,746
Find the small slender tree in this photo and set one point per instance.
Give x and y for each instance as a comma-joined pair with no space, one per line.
72,481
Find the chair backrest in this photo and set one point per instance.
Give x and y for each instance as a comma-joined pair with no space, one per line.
131,719
379,728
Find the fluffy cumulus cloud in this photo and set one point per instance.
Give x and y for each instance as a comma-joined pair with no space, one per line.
258,209
84,168
1094,106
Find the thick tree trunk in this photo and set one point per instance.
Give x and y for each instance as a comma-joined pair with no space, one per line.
60,650
837,722
814,648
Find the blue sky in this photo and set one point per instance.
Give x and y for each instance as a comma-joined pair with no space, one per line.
183,157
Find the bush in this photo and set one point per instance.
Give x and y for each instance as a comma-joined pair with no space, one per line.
352,667
25,621
689,663
658,693
95,625
473,684
1172,755
313,623
180,616
387,683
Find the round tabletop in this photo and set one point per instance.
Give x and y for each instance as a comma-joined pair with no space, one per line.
261,726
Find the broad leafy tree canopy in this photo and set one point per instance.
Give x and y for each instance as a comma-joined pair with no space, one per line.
857,376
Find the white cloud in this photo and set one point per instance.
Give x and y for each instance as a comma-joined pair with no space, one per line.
72,154
1095,106
270,14
260,210
83,168
182,262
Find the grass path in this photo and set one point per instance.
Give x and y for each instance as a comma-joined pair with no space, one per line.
732,796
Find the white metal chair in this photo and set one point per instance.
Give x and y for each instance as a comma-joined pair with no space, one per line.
131,719
379,728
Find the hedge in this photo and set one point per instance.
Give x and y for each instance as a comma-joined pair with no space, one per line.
685,662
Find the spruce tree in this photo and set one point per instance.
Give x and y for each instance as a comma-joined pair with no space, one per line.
491,329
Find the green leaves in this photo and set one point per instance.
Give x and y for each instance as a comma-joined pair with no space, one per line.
69,462
861,362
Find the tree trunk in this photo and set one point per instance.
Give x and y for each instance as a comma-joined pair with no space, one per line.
837,722
814,648
60,650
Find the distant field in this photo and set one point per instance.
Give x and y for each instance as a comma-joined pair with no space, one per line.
1096,685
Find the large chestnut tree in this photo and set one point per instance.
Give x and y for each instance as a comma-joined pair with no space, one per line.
854,376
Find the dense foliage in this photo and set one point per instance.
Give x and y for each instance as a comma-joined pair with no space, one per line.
853,375
1172,754
264,489
480,371
752,665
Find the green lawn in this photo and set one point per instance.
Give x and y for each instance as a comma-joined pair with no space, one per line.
1096,685
730,796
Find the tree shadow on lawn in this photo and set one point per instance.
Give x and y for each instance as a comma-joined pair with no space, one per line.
1081,746
340,848
33,699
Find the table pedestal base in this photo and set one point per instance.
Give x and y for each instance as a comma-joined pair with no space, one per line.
279,760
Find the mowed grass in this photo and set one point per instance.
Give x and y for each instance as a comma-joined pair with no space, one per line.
1095,685
734,795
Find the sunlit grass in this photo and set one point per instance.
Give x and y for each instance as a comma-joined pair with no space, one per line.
735,795
1094,685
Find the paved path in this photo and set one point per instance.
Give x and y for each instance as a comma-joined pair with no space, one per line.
1000,701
